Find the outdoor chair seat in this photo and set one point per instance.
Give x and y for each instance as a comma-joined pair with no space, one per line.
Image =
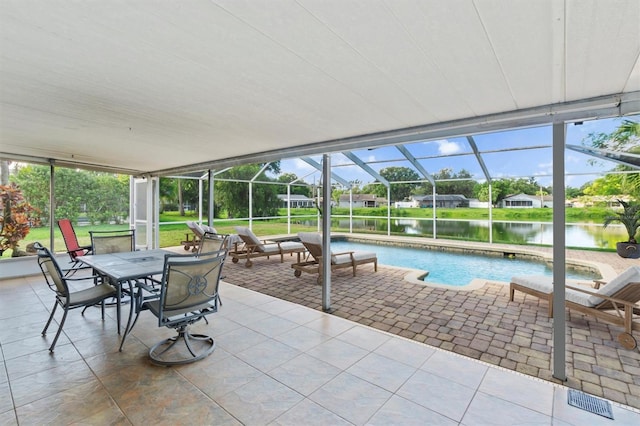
614,302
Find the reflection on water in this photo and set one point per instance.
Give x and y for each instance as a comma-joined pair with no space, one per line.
577,235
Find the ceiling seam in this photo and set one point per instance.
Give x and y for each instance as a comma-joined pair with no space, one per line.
495,55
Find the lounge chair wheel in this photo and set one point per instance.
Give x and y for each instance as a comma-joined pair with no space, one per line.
297,273
627,341
248,264
234,260
186,247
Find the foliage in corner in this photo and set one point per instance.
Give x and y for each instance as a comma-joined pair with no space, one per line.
17,218
629,217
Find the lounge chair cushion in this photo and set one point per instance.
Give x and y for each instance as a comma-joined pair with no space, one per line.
209,229
631,274
195,228
243,231
311,238
288,246
339,259
544,284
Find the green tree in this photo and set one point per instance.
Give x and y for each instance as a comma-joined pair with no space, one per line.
625,138
449,182
399,191
295,189
102,196
234,195
108,198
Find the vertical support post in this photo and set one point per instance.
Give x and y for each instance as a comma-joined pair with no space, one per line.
288,208
351,210
319,220
250,205
200,197
149,212
490,214
210,209
52,202
389,210
326,233
433,198
559,255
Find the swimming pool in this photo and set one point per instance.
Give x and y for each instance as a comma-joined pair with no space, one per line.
454,269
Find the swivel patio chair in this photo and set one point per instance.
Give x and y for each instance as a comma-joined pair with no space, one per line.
67,299
614,302
74,249
312,241
252,247
213,245
188,293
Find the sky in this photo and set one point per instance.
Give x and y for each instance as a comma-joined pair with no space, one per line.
458,155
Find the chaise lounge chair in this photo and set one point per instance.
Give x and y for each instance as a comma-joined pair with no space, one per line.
350,259
192,240
614,302
251,247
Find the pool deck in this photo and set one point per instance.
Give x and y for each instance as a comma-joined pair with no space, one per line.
479,322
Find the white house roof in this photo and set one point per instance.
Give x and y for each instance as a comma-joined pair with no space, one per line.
151,86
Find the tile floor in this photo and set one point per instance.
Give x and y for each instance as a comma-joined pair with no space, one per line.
276,363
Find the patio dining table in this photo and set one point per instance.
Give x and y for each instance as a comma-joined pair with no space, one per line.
125,268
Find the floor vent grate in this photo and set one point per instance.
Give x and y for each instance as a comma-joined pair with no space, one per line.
590,403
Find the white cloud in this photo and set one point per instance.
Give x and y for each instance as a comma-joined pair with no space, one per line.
446,147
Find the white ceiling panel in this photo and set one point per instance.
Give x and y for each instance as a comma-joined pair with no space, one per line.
150,85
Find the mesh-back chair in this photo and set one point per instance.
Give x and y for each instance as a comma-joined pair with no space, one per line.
212,243
105,242
74,249
188,293
67,299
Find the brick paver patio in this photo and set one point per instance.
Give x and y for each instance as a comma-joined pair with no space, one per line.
480,324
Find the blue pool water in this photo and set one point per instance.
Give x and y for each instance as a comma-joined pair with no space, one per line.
452,268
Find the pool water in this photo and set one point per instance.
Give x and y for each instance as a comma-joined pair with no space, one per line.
451,268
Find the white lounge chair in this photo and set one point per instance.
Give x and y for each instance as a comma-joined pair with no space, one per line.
614,302
253,247
350,259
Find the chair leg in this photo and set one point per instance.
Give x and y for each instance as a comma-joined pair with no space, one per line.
53,311
55,339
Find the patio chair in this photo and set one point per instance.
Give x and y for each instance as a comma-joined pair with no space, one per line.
251,247
67,299
212,243
74,249
188,293
613,302
350,259
105,242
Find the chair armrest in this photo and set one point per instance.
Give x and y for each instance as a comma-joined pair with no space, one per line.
343,252
598,283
